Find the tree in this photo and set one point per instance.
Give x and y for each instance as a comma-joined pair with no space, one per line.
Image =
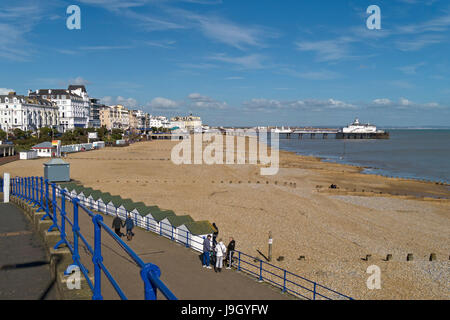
3,134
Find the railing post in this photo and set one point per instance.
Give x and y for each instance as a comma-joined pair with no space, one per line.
314,291
26,188
30,197
55,210
75,230
46,205
35,195
187,239
41,202
260,271
63,220
172,233
150,289
97,258
284,281
239,261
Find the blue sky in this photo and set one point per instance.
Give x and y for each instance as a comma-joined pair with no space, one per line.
290,62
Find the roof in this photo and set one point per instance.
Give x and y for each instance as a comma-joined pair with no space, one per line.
199,227
144,210
78,189
177,221
55,161
75,87
87,191
160,215
43,145
116,201
130,206
106,197
68,185
56,92
95,194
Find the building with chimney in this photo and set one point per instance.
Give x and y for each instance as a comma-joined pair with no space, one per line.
73,107
27,113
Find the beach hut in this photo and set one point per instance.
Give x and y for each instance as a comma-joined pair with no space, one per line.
158,216
67,187
131,208
170,224
147,220
84,194
102,201
91,199
112,206
192,234
122,209
75,191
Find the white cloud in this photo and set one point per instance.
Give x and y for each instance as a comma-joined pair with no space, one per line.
382,102
309,104
5,91
79,81
200,101
163,104
327,50
311,75
405,102
127,102
252,61
411,69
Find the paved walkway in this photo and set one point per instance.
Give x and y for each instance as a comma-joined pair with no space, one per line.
181,268
24,269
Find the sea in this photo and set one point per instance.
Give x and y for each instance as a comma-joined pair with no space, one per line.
422,154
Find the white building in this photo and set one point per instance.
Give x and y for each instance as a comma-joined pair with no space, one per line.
73,104
357,127
27,113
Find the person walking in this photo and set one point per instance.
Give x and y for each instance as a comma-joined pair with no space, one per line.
130,225
215,234
230,252
206,251
117,225
221,251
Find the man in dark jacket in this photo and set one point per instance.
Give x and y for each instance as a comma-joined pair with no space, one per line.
117,225
230,252
130,225
215,234
206,252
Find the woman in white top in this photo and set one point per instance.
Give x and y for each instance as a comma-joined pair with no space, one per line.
221,251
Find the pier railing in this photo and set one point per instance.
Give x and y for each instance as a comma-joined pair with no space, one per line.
36,191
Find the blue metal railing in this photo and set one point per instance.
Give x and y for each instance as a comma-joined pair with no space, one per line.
281,278
35,191
262,270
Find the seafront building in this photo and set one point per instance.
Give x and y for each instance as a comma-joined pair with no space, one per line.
189,123
27,113
94,113
73,104
115,117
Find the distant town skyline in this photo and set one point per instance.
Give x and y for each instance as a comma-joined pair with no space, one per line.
239,63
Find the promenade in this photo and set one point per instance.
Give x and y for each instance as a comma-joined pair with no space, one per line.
24,269
181,268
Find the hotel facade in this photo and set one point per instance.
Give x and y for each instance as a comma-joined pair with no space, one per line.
27,113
